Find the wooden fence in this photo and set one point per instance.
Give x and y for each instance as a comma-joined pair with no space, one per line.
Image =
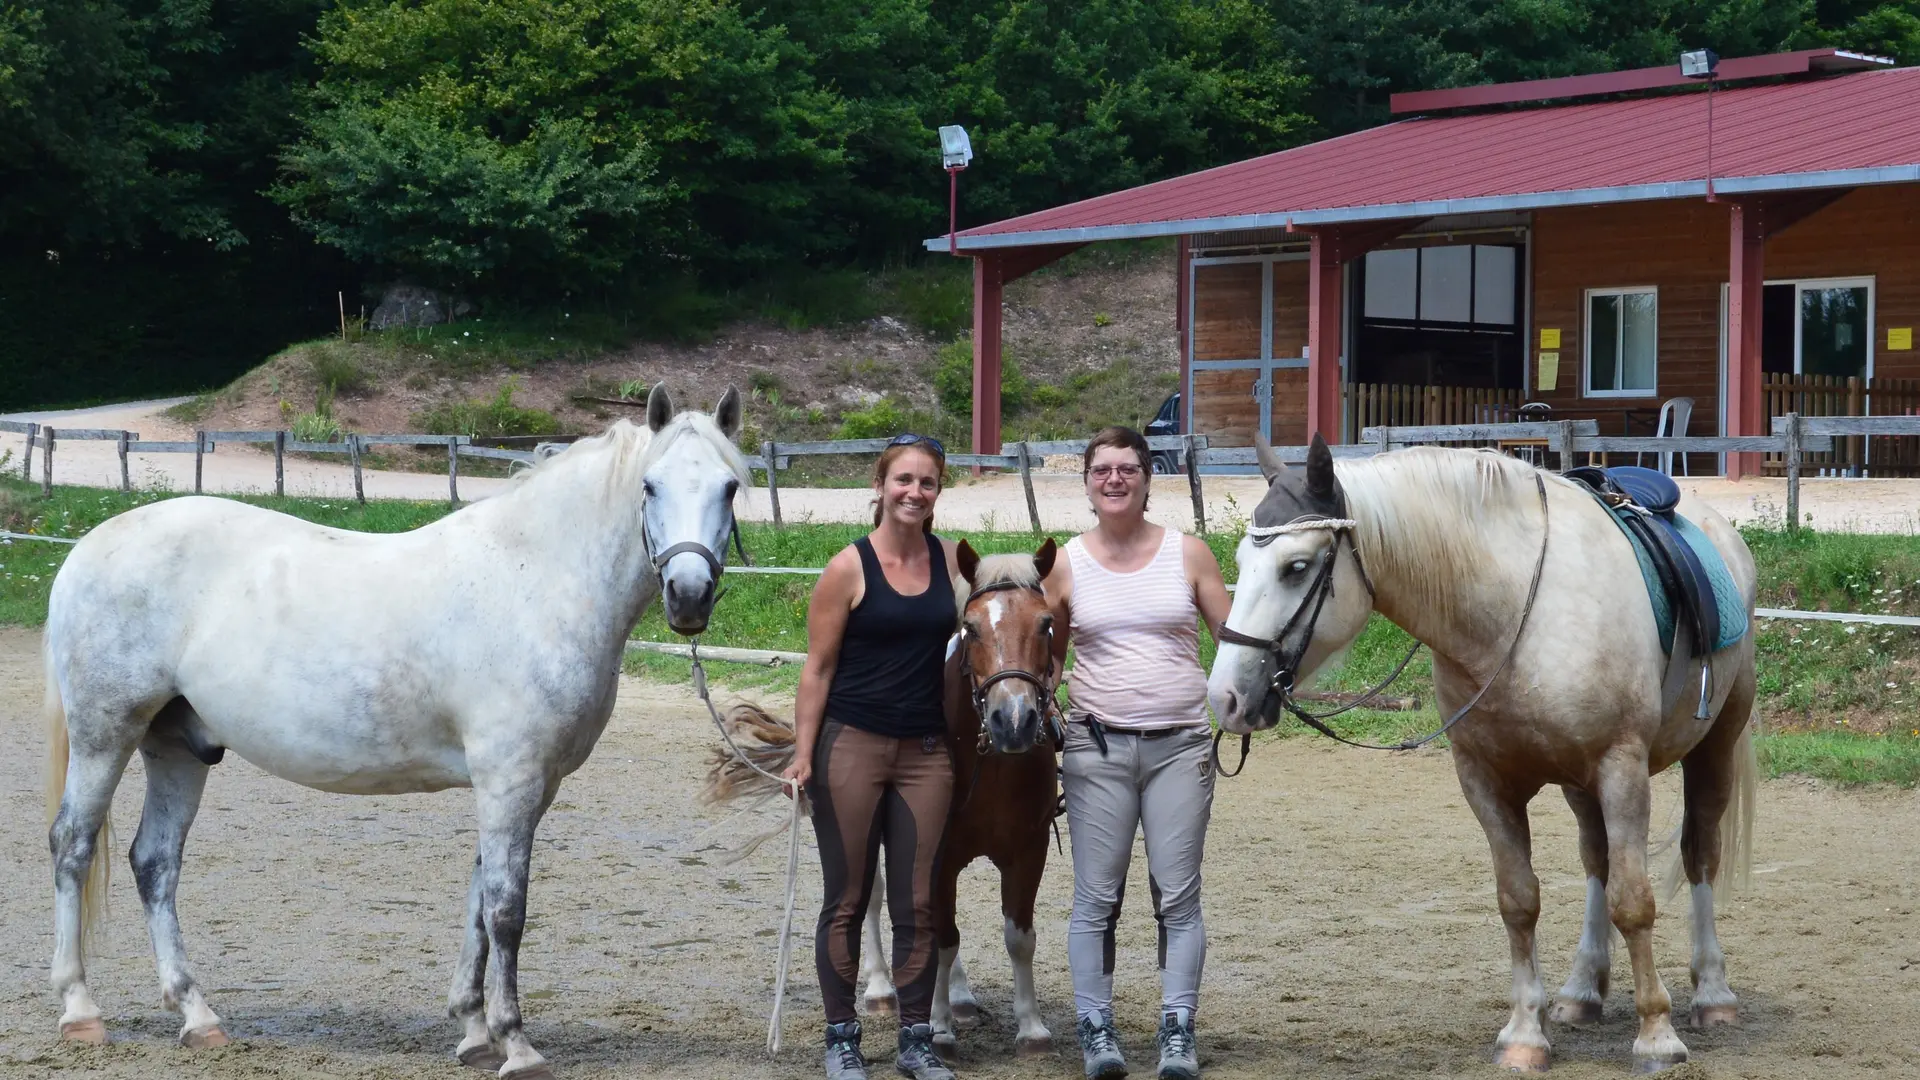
1395,405
1834,395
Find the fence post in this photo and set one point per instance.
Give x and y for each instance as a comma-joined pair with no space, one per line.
1026,482
26,459
773,483
126,481
1193,488
199,454
46,475
453,472
353,451
1565,433
1793,471
1383,439
279,463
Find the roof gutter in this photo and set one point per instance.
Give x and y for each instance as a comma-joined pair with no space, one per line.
1679,189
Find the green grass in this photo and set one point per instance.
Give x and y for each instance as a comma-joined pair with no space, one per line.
1827,709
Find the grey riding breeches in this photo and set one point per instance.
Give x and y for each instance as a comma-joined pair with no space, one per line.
1159,783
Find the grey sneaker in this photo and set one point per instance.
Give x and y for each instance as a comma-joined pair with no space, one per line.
844,1060
1179,1059
1100,1047
917,1056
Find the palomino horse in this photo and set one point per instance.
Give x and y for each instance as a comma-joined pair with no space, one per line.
484,652
1448,544
999,707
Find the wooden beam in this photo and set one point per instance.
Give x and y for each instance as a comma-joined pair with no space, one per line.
1016,263
988,282
1776,213
1329,249
1183,333
1746,275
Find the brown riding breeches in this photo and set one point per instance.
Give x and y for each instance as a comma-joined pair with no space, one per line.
866,789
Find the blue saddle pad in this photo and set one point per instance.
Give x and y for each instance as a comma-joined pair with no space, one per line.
1701,567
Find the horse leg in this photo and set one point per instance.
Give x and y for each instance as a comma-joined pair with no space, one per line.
175,780
93,770
879,998
1626,799
509,815
467,1001
1522,1045
947,936
1019,885
1583,998
1711,773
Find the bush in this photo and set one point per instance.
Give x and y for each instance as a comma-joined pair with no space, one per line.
938,299
338,370
487,419
882,420
953,380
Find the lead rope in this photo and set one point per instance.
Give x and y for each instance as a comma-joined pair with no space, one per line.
793,849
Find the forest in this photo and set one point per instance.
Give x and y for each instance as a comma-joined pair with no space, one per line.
187,185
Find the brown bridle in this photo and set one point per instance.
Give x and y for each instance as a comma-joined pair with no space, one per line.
977,688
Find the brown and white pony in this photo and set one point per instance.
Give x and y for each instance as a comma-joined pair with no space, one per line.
1528,594
1002,732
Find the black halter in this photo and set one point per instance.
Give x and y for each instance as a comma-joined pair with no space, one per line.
1287,663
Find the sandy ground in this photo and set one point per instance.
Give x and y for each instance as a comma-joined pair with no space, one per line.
1884,506
1349,903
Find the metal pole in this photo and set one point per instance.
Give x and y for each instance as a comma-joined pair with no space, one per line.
953,210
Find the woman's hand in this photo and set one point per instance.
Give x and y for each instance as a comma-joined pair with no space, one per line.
800,771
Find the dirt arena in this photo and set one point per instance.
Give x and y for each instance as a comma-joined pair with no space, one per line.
1349,902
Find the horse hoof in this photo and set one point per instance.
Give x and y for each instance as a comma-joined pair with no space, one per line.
541,1071
1712,1016
204,1039
1523,1059
1033,1046
883,1006
1576,1013
483,1056
92,1031
945,1042
1644,1065
966,1013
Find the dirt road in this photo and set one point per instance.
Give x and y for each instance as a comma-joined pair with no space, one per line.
1349,904
1889,506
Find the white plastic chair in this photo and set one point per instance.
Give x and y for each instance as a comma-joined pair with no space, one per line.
1672,423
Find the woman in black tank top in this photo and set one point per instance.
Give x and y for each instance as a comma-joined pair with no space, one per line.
871,748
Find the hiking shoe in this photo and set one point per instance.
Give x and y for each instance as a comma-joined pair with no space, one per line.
1100,1048
917,1057
844,1060
1179,1060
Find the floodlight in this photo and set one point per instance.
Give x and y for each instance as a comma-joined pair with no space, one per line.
1699,64
955,150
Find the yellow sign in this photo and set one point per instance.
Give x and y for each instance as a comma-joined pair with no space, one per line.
1549,369
1899,337
1549,339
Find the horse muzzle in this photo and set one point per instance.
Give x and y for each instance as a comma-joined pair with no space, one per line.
1013,725
689,585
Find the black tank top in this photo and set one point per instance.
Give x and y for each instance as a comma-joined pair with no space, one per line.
893,654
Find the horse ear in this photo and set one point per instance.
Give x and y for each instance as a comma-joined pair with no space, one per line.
1270,465
726,415
1043,559
969,561
659,407
1320,482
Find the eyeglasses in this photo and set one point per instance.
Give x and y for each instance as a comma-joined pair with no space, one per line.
909,438
1127,471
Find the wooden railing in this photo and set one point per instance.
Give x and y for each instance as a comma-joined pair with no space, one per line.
1835,395
1395,405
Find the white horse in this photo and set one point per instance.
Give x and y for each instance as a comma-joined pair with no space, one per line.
1578,692
484,651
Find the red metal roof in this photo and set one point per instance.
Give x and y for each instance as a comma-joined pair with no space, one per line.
1834,132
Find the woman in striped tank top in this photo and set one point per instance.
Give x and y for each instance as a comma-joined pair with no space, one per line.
1132,594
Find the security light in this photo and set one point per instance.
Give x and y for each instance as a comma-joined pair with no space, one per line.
1699,64
955,150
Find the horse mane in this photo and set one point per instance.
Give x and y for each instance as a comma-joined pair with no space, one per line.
1423,513
634,449
1014,569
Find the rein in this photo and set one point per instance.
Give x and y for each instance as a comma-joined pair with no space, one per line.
1281,685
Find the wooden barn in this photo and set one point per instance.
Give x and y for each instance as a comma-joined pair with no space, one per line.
1649,251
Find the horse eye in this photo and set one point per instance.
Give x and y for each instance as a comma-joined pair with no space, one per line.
1296,567
649,489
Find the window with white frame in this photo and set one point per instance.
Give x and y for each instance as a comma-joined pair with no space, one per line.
1623,331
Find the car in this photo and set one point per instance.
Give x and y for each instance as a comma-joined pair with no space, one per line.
1166,422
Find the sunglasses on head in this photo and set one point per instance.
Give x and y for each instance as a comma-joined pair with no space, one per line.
908,439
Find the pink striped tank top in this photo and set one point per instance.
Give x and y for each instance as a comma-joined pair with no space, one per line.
1136,642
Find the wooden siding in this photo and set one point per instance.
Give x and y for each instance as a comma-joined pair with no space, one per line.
1226,312
1290,314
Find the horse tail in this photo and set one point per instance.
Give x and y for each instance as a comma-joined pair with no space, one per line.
1736,828
760,741
93,891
